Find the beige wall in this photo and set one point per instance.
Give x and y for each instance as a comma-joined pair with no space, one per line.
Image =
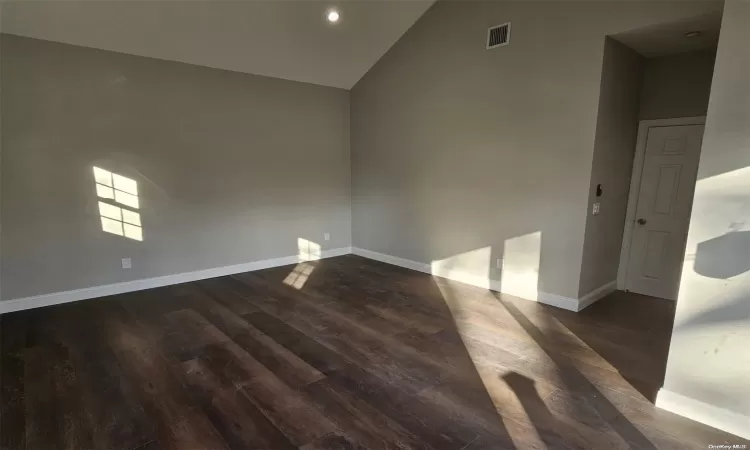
462,155
614,148
677,85
709,358
231,168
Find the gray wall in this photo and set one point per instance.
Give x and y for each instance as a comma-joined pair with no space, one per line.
459,152
709,358
677,85
614,148
231,168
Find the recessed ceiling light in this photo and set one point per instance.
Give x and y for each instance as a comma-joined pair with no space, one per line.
333,16
691,34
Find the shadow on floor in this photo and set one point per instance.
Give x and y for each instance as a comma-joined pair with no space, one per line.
631,332
340,353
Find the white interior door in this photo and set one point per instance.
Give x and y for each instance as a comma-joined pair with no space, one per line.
663,207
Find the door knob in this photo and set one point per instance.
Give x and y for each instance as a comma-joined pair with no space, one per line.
641,221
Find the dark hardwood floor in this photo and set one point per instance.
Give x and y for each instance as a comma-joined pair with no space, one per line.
344,353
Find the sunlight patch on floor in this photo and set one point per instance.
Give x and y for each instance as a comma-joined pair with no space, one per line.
299,275
478,315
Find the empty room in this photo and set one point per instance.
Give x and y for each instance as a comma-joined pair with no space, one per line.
374,224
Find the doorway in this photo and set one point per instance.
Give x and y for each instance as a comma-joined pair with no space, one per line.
657,102
661,193
665,151
654,96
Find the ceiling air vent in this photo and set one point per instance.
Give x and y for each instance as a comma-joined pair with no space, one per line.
498,35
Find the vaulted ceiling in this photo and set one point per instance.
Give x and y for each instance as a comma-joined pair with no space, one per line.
670,38
277,38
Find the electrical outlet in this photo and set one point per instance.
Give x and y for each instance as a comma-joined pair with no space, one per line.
126,263
595,210
327,236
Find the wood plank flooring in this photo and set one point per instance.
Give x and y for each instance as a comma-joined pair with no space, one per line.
344,353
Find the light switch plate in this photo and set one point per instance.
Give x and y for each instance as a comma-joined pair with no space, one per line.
126,263
595,210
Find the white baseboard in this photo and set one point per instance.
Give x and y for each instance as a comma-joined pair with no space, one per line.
396,261
723,419
462,277
558,301
597,294
56,298
148,283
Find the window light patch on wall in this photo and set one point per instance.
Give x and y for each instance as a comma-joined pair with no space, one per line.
118,196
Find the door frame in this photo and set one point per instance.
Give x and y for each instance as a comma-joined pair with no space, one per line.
635,185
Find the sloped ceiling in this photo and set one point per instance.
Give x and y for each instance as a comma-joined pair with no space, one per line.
277,38
669,38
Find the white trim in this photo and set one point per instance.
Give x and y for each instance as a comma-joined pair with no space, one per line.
723,419
558,301
597,294
635,185
57,298
148,283
394,260
464,277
